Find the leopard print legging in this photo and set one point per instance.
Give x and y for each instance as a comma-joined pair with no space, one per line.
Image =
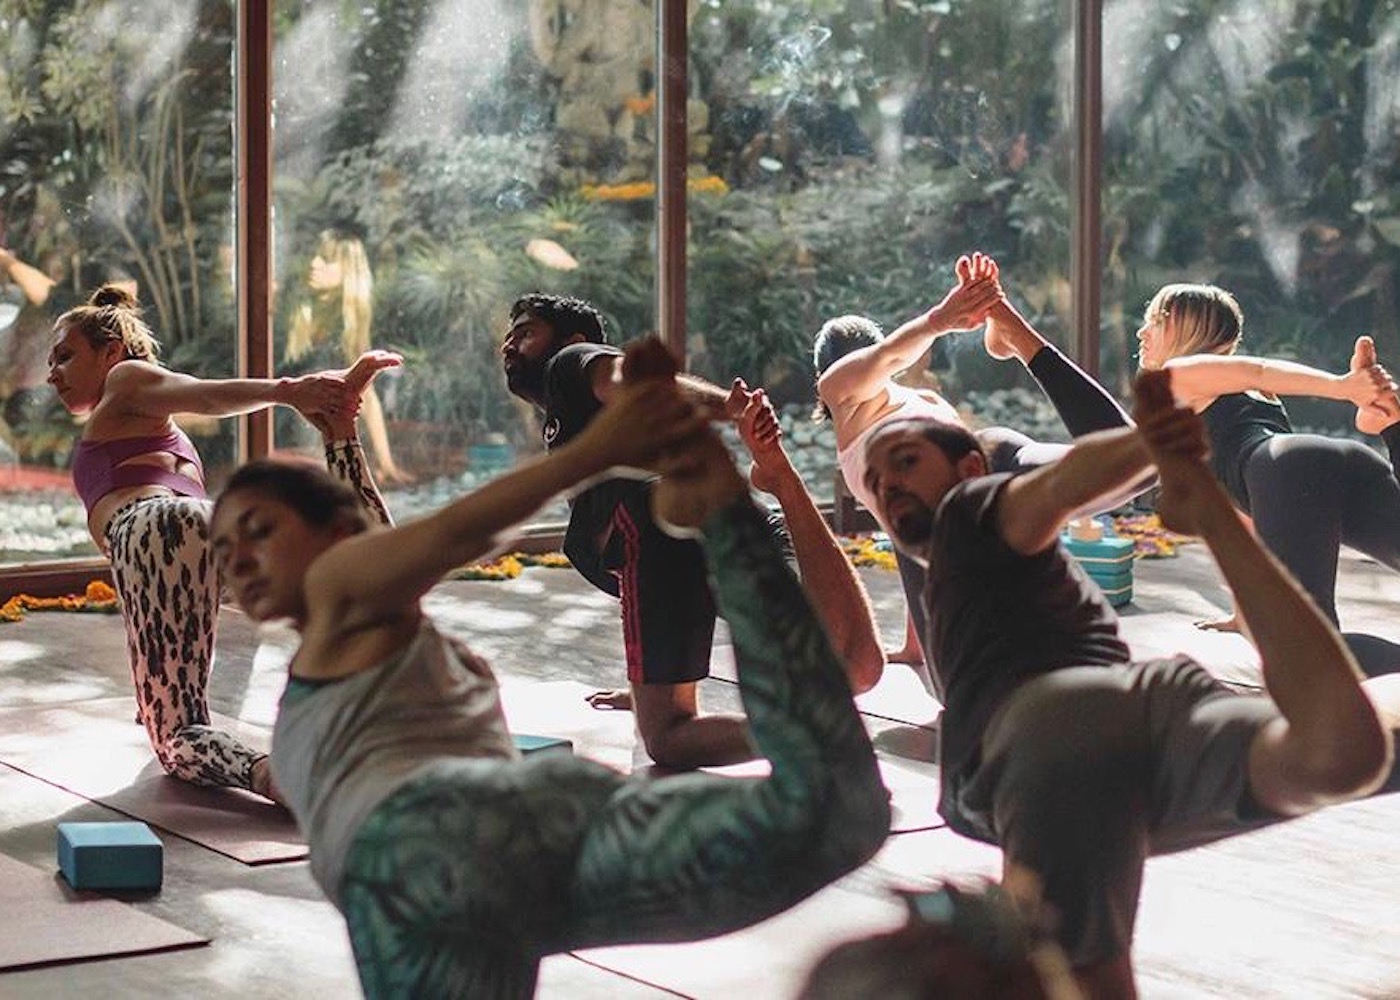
169,587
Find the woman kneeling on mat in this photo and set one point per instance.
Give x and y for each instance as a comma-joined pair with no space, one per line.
457,863
142,482
1307,494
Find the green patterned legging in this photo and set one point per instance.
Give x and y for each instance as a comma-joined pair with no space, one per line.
463,879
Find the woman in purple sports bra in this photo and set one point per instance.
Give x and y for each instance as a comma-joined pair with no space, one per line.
142,483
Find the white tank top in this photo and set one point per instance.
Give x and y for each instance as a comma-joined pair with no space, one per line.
908,403
339,748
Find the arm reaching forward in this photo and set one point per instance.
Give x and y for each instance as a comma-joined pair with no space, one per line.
861,374
1099,466
378,574
828,577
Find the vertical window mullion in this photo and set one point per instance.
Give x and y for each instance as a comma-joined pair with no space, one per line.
253,150
1086,218
672,43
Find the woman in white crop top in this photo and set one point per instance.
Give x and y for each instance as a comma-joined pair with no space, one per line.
457,864
857,366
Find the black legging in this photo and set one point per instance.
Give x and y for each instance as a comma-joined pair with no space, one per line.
1083,406
1308,496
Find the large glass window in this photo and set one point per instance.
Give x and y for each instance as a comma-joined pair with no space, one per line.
1254,145
115,164
844,155
436,158
433,161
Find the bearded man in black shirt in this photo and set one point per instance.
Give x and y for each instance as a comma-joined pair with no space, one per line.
1077,761
555,356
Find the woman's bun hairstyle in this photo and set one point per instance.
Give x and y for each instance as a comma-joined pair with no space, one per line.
113,295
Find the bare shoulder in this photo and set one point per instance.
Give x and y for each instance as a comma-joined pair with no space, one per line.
337,643
133,374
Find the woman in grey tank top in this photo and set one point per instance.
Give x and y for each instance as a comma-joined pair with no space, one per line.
459,865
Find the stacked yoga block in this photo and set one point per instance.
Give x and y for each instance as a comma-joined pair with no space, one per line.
110,855
1106,557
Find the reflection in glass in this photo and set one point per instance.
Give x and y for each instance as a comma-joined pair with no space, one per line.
115,164
1254,145
476,151
850,153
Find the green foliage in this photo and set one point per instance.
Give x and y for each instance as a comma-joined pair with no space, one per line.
866,145
1261,161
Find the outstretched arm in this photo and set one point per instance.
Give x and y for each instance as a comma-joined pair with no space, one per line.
1201,377
605,376
828,577
376,575
146,389
861,374
1035,506
34,283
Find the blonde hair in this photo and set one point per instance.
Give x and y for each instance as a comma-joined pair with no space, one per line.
113,315
309,326
1205,319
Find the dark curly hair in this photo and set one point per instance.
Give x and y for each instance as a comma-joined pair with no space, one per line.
566,316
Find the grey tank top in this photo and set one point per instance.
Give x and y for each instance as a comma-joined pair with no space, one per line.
340,747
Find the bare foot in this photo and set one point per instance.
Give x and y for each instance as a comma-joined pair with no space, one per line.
1176,437
1384,410
1378,416
698,477
263,783
619,700
1008,335
1231,624
369,364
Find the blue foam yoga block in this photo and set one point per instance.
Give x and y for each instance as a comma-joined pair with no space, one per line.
110,855
1109,563
1109,549
1110,579
538,744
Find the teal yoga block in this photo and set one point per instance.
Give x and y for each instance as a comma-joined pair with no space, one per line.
1109,563
1108,550
528,745
110,855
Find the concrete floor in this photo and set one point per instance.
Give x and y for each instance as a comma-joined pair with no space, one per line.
1306,909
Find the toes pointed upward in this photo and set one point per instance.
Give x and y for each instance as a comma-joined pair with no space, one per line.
1153,389
647,358
1364,354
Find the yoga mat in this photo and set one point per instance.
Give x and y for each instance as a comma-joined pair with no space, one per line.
44,922
899,695
97,750
558,708
769,959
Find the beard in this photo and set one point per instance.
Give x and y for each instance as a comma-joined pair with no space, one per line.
525,378
913,528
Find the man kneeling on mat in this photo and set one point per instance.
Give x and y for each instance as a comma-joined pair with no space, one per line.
1076,761
457,864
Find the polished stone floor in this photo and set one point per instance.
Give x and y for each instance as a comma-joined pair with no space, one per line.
1307,909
